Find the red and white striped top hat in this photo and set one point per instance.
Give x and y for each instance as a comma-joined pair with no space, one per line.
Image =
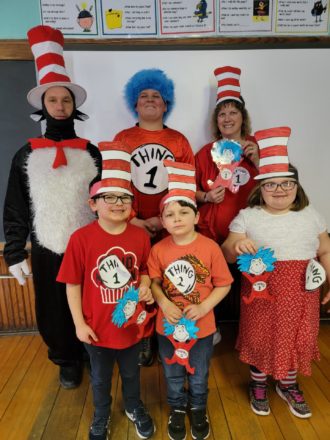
116,169
273,152
181,183
47,48
228,83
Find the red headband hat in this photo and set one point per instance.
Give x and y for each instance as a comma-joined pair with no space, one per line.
273,152
116,169
228,84
47,48
181,183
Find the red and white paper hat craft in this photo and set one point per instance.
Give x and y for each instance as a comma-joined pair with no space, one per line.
181,183
116,169
273,152
47,48
228,83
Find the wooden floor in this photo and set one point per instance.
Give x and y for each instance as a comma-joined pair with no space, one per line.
33,406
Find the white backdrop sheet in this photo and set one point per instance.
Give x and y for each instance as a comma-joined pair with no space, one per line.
280,86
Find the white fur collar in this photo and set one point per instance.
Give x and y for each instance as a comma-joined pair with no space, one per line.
59,196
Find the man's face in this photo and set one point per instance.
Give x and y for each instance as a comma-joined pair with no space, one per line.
58,102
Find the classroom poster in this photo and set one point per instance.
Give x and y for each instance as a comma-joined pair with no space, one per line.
128,17
75,18
245,16
302,16
180,17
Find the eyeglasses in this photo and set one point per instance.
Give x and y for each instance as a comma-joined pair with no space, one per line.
287,185
112,199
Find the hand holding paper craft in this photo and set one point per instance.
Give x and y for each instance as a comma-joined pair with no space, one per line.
129,311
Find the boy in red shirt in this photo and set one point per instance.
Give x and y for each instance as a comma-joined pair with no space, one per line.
189,277
104,261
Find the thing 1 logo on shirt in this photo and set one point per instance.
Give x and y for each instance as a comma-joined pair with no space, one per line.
114,273
148,173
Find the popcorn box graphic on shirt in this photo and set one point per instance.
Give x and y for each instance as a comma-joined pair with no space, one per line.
115,271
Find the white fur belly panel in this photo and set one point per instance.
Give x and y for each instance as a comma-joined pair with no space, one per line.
59,196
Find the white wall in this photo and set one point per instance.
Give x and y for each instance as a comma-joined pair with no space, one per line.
281,87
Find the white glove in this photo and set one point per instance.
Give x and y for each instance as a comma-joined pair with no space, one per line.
18,270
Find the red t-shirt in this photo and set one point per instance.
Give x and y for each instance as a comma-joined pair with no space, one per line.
215,218
105,266
189,273
149,176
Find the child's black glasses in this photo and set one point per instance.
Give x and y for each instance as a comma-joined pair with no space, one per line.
112,200
287,185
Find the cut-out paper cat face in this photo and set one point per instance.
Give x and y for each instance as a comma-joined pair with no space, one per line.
180,333
257,266
129,309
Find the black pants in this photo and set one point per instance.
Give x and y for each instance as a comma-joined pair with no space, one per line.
102,362
229,308
54,318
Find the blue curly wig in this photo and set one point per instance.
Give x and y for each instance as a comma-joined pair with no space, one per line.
188,323
154,79
118,315
266,254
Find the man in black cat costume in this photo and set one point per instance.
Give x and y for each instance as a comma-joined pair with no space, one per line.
47,199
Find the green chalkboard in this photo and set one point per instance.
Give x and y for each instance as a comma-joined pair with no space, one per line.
16,126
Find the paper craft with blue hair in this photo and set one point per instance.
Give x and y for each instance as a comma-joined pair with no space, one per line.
125,307
129,311
257,269
183,336
227,155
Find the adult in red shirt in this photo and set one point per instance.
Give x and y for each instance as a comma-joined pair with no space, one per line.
219,206
149,95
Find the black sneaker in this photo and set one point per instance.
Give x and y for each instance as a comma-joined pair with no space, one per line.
146,356
71,375
143,422
99,429
176,425
200,428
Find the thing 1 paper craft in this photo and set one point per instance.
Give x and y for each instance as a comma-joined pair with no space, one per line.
227,155
129,311
257,269
183,337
